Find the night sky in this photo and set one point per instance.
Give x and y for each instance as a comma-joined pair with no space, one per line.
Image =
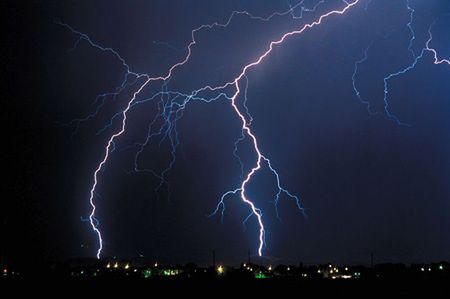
367,183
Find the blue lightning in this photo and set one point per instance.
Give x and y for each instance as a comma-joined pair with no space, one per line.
303,9
355,88
410,67
395,74
389,77
100,99
171,105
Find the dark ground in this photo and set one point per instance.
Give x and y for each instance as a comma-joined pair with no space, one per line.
222,287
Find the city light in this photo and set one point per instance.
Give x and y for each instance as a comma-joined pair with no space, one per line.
147,273
254,271
169,272
220,270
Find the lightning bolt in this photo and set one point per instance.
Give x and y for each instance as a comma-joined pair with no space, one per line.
247,129
173,103
395,74
411,66
432,50
355,88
